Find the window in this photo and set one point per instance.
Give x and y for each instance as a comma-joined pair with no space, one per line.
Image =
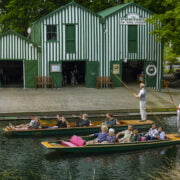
70,38
51,32
132,38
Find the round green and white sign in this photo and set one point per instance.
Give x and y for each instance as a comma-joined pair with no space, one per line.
151,70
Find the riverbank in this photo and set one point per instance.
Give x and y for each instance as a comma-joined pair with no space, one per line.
81,99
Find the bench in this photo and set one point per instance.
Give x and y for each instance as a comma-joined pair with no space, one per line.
44,81
103,81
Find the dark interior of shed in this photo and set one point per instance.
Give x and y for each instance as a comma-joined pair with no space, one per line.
11,73
132,71
73,73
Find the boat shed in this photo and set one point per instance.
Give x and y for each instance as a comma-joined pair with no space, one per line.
74,45
129,48
18,60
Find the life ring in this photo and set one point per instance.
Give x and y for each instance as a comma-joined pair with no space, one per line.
151,70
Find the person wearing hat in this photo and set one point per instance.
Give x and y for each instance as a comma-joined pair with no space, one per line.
142,101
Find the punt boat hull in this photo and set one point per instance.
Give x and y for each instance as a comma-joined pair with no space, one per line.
76,130
110,148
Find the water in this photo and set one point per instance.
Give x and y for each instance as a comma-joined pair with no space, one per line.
26,158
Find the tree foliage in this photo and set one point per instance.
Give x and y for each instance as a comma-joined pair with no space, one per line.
19,14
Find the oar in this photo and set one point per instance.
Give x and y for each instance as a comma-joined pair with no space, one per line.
133,93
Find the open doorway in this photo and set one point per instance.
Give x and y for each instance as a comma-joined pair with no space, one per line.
133,71
73,73
11,73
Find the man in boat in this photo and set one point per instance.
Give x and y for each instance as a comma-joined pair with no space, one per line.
142,101
127,134
100,136
152,133
110,121
84,121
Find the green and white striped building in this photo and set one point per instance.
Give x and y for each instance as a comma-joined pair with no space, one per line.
73,41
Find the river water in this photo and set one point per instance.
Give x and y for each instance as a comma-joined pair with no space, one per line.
25,158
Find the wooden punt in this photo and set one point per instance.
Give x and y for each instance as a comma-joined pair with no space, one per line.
172,139
76,130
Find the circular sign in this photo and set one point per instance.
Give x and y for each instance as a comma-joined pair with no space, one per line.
151,70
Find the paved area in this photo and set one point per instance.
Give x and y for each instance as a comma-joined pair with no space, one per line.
80,99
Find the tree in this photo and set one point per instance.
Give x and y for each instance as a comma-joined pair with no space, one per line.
19,14
168,13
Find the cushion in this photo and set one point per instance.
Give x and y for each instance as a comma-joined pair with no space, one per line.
66,143
78,141
143,138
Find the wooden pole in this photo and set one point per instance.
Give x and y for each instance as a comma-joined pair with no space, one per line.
133,93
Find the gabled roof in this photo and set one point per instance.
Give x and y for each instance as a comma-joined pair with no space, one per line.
110,11
64,7
19,35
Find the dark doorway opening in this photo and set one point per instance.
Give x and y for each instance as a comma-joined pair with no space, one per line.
73,73
133,71
11,73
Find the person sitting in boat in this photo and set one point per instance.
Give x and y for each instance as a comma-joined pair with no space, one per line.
152,133
110,121
127,134
100,136
161,134
135,136
22,126
83,122
62,123
111,138
36,124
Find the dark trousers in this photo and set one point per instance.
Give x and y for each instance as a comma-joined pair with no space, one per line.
150,138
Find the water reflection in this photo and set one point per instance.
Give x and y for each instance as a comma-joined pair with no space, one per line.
32,161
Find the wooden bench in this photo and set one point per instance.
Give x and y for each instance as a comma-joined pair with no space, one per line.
103,81
44,81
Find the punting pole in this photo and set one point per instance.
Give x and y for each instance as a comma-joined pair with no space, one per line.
176,107
133,93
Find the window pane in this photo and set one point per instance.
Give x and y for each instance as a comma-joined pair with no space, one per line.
51,32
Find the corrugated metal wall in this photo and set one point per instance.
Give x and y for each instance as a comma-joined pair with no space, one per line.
148,50
88,36
13,47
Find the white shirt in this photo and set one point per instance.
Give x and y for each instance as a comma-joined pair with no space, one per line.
142,94
152,132
31,122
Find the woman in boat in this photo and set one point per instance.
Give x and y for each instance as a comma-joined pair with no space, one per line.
135,136
111,138
110,121
84,121
36,124
62,123
127,134
22,126
101,136
152,133
161,134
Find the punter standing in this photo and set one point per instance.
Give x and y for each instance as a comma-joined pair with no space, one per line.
178,118
142,101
